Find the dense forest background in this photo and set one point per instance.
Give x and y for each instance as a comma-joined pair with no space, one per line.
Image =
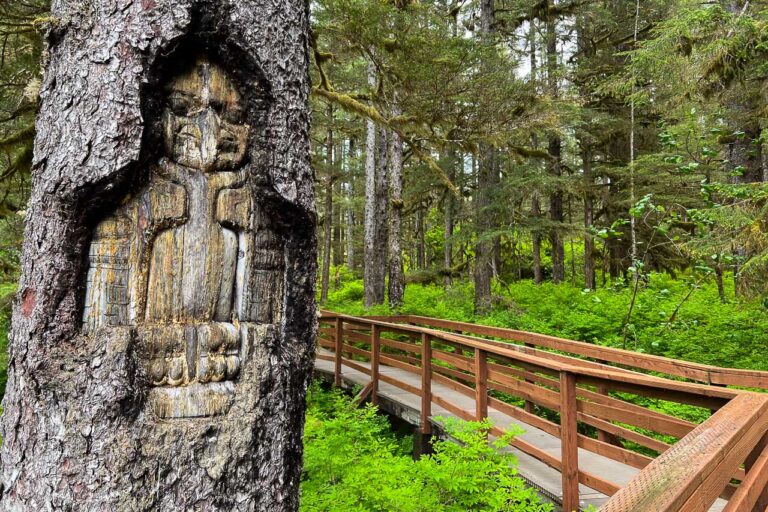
589,169
593,169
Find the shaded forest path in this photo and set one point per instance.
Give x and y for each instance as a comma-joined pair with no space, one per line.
575,410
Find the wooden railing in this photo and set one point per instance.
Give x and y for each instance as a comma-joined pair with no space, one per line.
725,456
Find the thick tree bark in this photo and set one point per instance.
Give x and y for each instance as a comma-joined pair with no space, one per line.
330,178
484,248
374,266
396,276
83,425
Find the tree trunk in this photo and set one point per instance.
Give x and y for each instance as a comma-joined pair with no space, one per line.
448,216
556,215
484,248
396,277
719,281
589,241
94,419
374,266
328,220
350,213
555,151
421,250
538,276
338,233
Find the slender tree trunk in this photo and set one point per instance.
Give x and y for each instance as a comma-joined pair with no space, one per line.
538,277
589,241
396,277
91,421
350,212
328,207
719,281
448,217
338,232
484,247
421,250
484,252
374,266
556,215
555,151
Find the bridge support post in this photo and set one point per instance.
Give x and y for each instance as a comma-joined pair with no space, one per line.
481,384
569,442
339,345
375,354
422,443
426,384
529,406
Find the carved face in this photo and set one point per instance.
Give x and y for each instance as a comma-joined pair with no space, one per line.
204,120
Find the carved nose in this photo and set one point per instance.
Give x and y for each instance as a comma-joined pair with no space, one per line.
210,128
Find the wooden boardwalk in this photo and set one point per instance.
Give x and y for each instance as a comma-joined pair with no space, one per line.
720,465
406,406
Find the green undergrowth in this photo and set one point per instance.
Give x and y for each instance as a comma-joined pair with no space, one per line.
664,322
682,319
354,462
6,298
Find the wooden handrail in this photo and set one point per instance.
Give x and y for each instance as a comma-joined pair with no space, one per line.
698,372
617,380
579,391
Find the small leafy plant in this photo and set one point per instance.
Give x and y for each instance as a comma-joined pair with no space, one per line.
353,462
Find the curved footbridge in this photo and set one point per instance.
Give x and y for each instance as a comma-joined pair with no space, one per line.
595,433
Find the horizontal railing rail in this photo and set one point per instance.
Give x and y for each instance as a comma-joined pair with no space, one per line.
555,393
703,373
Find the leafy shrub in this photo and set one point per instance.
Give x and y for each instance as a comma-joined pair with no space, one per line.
352,462
6,296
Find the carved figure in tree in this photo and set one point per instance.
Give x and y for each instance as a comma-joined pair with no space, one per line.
190,260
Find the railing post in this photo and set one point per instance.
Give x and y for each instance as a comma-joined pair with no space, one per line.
602,435
481,384
339,342
528,405
426,383
457,350
375,352
569,442
761,500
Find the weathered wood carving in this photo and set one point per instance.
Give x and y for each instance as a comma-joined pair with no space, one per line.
163,337
189,260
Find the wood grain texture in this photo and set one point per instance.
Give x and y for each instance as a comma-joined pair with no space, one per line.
82,427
